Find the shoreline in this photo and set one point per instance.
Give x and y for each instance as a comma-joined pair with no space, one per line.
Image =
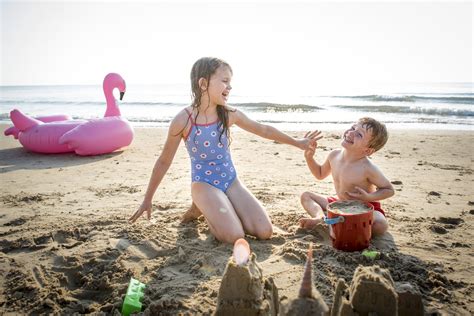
329,127
64,235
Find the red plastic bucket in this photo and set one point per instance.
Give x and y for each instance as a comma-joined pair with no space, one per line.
353,231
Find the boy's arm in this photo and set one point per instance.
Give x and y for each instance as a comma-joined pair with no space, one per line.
319,171
270,132
384,187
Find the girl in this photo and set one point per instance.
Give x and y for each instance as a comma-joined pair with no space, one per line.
228,206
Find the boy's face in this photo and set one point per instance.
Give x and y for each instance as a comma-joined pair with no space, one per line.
357,139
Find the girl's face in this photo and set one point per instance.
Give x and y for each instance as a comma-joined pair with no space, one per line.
219,86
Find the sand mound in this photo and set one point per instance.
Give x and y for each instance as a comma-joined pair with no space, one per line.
309,300
372,291
244,291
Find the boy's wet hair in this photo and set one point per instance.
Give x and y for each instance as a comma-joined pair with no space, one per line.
378,130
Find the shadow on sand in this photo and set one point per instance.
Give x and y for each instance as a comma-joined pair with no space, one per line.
12,159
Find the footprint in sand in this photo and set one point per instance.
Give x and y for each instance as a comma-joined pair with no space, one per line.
70,238
397,183
433,197
145,250
16,222
22,197
450,220
38,274
460,245
439,229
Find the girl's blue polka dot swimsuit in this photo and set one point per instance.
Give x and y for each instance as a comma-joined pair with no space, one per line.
210,156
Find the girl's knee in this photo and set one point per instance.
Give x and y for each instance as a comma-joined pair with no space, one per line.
230,237
265,232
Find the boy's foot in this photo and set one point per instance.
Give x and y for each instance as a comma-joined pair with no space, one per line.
310,223
191,214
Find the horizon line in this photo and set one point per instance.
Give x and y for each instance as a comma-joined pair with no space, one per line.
182,83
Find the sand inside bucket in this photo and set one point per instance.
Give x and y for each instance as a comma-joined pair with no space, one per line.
349,207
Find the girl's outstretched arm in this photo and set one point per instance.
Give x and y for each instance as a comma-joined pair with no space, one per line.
270,132
162,164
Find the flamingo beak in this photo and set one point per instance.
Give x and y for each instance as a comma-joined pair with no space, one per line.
121,95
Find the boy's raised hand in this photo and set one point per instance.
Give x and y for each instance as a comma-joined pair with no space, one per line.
309,152
145,207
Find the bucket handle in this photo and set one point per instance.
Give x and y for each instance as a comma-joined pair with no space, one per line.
335,220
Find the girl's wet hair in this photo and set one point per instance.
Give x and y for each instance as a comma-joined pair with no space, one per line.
204,68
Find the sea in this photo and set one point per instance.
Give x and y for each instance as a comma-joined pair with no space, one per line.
427,106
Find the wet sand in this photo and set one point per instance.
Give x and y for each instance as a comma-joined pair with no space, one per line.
66,246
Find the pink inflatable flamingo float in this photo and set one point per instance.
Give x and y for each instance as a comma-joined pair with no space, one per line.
45,119
57,134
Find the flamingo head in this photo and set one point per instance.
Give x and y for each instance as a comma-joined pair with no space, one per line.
114,80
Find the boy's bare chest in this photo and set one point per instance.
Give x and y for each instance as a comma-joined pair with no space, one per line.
349,173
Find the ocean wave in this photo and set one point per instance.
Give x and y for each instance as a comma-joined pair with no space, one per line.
4,119
277,107
410,110
150,120
466,98
407,121
259,106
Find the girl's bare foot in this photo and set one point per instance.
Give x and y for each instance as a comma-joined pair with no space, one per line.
310,223
191,214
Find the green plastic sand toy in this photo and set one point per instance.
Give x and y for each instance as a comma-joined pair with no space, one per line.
131,303
371,254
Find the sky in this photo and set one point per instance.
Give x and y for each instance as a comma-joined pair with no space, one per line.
285,45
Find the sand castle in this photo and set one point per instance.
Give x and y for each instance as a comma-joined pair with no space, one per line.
309,300
372,291
244,290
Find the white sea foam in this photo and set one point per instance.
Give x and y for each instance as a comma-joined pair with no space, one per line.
441,106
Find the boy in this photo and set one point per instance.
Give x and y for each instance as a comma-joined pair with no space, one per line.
355,176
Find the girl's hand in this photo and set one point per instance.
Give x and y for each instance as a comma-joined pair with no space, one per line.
359,194
145,207
310,139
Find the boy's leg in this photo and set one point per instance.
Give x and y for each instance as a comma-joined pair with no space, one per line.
314,204
220,215
379,224
255,219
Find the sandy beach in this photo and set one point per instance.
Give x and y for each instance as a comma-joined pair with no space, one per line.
66,246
